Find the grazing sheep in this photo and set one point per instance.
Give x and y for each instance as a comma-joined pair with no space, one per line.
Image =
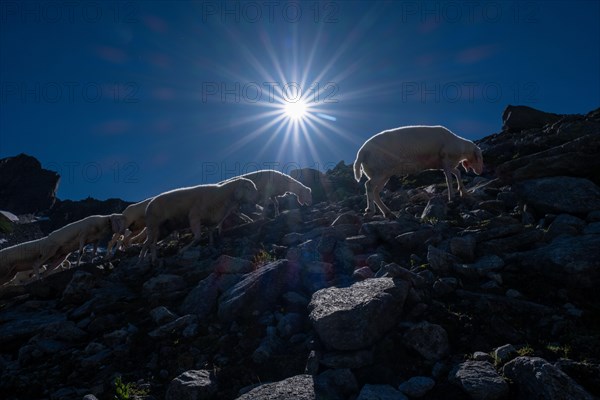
76,235
271,184
21,257
412,149
194,207
131,224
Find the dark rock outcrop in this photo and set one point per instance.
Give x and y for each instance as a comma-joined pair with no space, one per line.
519,118
25,187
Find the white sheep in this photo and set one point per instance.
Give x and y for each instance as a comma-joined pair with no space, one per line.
76,235
411,149
271,184
129,226
21,257
194,207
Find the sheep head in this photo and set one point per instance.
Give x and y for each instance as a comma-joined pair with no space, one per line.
474,161
305,196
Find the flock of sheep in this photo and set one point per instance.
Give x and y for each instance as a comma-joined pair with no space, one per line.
394,152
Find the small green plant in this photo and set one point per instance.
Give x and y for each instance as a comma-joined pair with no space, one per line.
261,258
526,350
562,351
125,391
121,389
5,225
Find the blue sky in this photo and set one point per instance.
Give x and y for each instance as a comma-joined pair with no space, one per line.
129,99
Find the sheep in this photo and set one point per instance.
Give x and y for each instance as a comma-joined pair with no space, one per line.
21,257
131,224
271,183
53,249
193,207
412,149
76,235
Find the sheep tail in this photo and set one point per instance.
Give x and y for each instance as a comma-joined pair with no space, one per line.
358,165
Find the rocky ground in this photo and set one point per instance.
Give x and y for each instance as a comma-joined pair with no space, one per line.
491,296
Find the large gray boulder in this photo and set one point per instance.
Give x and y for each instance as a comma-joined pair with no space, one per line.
570,259
299,387
479,380
355,317
560,194
192,385
536,378
203,298
258,291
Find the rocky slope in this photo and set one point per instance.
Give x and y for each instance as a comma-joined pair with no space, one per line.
488,297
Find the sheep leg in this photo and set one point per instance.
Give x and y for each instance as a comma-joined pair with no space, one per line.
53,266
275,205
111,244
376,187
196,228
81,248
461,187
368,191
150,242
448,173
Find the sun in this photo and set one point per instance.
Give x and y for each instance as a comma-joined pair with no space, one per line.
295,111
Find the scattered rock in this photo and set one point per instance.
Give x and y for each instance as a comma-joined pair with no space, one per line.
505,353
25,187
561,194
355,317
429,340
192,385
380,392
417,386
300,387
258,291
518,118
479,380
535,378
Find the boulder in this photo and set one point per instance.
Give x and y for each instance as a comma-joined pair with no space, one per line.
203,298
536,378
380,392
417,386
428,340
560,194
258,291
299,387
25,187
192,385
568,259
355,317
479,380
518,118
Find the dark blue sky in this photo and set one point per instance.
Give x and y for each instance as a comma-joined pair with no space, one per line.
130,99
